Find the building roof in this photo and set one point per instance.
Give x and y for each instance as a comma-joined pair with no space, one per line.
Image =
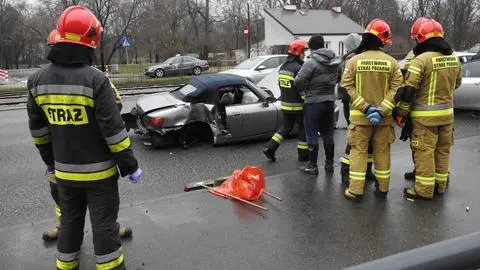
314,21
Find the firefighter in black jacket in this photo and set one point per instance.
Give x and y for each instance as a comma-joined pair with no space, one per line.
79,132
53,234
291,102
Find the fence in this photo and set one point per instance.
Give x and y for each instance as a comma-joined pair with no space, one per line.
123,76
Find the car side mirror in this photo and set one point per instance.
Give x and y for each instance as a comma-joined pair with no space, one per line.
268,92
262,67
268,100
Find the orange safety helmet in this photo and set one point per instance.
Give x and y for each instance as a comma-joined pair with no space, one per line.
79,25
297,47
416,27
430,29
53,37
381,30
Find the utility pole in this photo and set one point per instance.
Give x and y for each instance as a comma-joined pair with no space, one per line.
248,37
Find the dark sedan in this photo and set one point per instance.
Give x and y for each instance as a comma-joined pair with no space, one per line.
177,65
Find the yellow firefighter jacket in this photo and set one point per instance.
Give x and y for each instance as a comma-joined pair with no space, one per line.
371,78
435,76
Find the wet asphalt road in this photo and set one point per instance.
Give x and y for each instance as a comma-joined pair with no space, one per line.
24,192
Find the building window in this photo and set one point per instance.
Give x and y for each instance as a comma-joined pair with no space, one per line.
327,44
341,50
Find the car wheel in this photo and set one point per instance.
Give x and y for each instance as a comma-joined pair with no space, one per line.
197,71
159,73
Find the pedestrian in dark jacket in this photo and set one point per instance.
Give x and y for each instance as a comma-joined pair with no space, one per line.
317,78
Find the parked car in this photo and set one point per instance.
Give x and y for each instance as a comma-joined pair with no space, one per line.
256,68
467,96
177,65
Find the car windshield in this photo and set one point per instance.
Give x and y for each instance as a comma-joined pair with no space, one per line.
249,63
183,91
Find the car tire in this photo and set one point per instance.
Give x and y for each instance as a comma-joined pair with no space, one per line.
197,71
159,73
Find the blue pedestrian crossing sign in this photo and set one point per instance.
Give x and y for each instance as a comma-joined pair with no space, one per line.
126,42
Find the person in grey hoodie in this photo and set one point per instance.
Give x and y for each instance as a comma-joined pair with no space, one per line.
351,42
317,79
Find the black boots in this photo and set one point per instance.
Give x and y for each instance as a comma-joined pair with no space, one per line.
328,166
310,168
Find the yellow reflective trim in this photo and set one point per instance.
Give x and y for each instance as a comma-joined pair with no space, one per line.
383,172
300,146
425,180
118,147
432,89
358,173
87,176
67,265
287,77
357,101
404,105
357,178
275,138
441,174
388,104
73,37
382,176
302,97
41,140
370,159
291,108
356,113
345,160
413,71
64,99
110,265
415,68
58,213
432,113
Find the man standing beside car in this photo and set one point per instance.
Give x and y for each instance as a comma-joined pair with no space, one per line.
291,102
317,78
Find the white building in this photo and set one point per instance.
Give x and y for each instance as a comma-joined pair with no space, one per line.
286,24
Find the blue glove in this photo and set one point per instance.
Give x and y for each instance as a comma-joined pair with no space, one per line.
135,176
372,109
375,118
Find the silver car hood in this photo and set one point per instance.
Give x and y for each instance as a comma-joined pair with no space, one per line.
157,101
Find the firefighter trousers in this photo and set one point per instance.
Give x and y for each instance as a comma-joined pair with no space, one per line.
431,150
289,121
102,200
359,137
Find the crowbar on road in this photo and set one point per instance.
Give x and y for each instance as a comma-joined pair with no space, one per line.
234,197
215,183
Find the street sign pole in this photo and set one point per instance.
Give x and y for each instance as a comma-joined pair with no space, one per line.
126,53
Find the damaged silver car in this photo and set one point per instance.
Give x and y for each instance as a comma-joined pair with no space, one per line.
195,112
